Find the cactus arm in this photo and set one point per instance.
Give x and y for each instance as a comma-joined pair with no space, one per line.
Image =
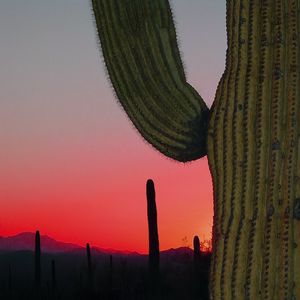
140,50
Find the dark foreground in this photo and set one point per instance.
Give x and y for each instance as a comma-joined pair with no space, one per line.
66,276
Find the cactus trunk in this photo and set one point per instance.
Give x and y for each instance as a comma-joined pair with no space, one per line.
152,228
254,155
196,243
90,279
53,275
89,262
37,260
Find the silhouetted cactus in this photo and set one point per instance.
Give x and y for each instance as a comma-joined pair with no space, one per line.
196,243
9,280
252,132
89,261
152,228
53,275
90,271
37,260
110,278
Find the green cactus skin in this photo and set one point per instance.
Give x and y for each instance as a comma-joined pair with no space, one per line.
141,54
152,228
37,260
255,121
253,135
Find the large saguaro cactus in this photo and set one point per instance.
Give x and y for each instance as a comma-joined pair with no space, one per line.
251,134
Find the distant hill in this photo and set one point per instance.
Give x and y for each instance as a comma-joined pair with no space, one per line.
26,240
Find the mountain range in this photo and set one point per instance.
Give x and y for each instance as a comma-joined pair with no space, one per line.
26,241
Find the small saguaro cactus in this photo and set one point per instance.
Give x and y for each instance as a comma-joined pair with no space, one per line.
110,277
251,134
90,271
89,260
196,243
9,279
53,275
152,228
37,260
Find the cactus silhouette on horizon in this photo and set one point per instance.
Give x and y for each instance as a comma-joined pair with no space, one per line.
89,261
90,274
37,261
53,276
251,134
152,229
10,279
196,244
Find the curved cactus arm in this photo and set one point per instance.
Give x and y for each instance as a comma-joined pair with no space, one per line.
140,50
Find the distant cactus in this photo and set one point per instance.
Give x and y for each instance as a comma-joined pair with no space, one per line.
110,278
53,275
37,259
152,228
196,243
9,279
89,261
90,271
110,263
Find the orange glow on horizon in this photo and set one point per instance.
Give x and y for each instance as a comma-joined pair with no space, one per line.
114,217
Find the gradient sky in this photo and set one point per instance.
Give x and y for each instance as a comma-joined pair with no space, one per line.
71,164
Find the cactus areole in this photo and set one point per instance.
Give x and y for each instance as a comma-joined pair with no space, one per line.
251,134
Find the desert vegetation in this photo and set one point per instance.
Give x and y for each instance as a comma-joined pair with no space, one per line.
90,274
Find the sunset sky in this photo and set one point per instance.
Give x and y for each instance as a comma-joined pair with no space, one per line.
71,163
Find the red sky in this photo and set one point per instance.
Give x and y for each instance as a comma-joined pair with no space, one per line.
72,165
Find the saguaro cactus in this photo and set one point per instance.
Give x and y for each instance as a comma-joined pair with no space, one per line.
90,271
152,228
89,260
252,134
37,260
196,243
9,280
53,276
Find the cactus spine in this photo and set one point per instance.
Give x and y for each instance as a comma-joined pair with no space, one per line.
253,135
170,119
37,260
152,228
255,122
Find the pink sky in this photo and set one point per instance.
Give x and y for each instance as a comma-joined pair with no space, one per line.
72,165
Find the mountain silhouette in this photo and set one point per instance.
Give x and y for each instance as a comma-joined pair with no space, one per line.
25,242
